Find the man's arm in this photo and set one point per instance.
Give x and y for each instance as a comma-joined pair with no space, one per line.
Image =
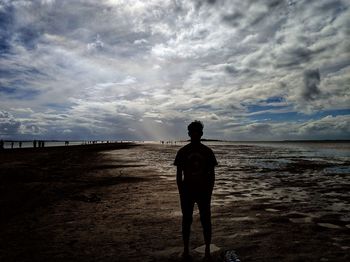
211,179
179,178
213,163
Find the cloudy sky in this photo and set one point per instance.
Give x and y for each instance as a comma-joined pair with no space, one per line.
119,69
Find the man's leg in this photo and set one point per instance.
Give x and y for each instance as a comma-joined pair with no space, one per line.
187,205
205,215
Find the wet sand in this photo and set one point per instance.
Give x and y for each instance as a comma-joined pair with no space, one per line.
115,202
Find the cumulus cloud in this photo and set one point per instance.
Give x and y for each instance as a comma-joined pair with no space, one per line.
144,69
95,45
8,125
329,126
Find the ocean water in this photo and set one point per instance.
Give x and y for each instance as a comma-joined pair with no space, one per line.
267,157
312,179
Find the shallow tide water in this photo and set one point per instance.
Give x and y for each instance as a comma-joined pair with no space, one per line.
312,178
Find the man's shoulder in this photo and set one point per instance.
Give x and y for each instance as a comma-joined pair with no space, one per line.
189,147
210,155
184,148
206,148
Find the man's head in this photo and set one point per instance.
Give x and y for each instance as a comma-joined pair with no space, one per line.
195,131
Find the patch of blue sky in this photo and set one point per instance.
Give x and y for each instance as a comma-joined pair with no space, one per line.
276,116
28,37
6,21
58,107
7,90
333,113
18,93
199,107
257,108
275,99
267,104
26,94
5,73
275,102
14,75
4,46
295,116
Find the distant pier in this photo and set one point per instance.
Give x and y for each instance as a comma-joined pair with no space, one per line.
15,144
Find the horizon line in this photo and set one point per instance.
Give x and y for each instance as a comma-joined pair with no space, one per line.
174,140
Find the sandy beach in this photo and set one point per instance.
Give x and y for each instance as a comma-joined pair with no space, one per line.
119,202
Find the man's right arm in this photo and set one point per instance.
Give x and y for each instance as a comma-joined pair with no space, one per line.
211,179
179,179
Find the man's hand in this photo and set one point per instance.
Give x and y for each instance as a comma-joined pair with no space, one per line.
211,179
179,179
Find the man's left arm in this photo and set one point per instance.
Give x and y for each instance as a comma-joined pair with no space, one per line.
179,179
211,178
213,162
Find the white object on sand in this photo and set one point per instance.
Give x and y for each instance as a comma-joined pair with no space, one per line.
328,225
271,210
201,249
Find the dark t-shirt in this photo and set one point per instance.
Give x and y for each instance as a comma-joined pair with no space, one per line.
197,161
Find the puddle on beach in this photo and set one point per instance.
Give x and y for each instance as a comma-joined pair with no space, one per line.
337,170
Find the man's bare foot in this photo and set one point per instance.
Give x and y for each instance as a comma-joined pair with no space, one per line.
207,258
207,251
186,257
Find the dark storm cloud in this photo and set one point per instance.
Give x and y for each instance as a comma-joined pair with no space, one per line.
230,69
233,19
312,81
264,18
293,56
246,72
333,7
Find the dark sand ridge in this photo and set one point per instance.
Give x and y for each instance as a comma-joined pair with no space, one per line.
89,203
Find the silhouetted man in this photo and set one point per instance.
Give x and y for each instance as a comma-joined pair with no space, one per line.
195,179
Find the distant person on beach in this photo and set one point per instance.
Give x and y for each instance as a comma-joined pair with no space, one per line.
195,179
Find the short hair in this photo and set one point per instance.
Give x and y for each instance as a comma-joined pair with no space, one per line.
195,126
